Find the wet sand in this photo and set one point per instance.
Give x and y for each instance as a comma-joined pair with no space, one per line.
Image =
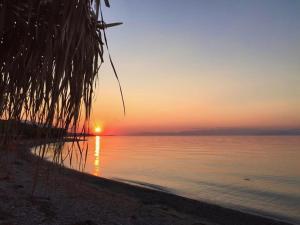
64,196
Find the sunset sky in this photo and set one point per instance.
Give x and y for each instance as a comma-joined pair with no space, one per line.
200,64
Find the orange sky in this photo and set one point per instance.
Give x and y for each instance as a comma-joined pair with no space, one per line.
184,104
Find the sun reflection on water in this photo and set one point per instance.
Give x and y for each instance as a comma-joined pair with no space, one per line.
97,156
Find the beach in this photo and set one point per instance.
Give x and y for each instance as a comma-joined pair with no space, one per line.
64,196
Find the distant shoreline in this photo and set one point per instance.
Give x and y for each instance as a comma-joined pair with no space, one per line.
224,132
207,132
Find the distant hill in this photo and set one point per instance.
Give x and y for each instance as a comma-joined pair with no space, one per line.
224,131
29,130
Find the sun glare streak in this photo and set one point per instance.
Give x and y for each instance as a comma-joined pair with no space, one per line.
97,156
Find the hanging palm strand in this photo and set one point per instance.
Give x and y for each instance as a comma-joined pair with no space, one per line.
50,53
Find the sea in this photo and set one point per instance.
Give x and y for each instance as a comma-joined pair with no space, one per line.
255,174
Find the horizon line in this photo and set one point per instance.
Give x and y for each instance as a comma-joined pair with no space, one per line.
217,131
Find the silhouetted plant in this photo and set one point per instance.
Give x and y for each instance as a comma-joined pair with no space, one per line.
50,54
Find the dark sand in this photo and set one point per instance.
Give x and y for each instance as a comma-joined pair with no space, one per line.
64,196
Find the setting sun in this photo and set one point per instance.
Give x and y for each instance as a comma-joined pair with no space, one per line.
98,129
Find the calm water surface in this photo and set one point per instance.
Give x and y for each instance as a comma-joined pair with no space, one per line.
255,174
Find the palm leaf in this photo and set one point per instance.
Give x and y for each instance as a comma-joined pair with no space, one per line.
50,54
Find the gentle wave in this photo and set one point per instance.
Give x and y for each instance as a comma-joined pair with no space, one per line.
144,184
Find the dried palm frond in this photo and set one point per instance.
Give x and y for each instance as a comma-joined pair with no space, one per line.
50,54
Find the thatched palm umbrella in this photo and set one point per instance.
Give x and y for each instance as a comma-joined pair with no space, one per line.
50,54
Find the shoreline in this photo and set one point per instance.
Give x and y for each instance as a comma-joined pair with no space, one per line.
107,200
